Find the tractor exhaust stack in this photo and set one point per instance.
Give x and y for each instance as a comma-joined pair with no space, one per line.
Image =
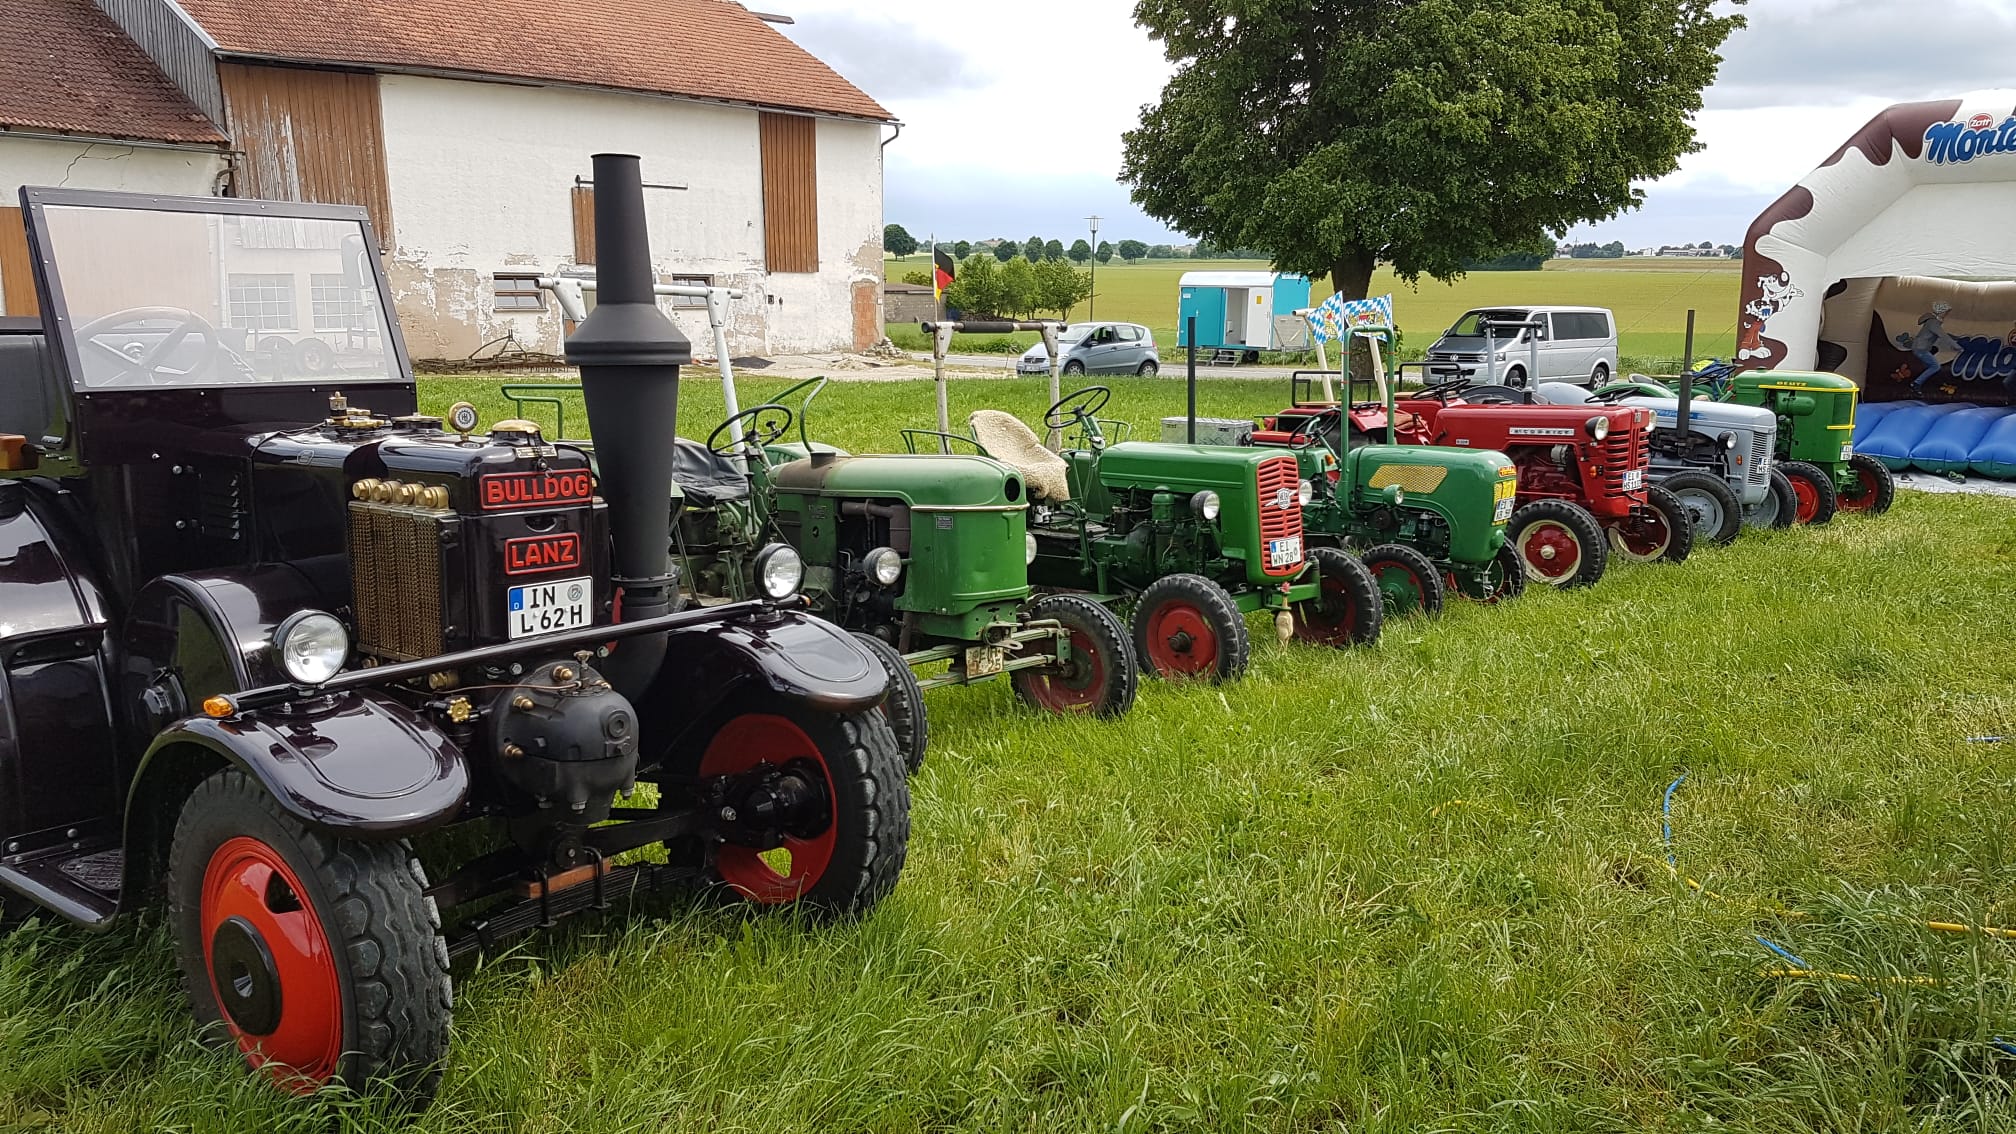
630,354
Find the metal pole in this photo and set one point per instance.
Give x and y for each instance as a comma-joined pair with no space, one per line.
941,342
1191,367
717,318
1092,301
1490,354
1533,353
1056,438
1687,360
1686,422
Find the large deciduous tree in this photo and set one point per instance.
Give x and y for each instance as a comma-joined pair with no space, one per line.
1337,134
897,240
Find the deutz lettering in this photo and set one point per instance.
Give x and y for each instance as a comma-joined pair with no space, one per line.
531,489
530,555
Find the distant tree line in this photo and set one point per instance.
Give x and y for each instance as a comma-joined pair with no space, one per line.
1014,288
899,241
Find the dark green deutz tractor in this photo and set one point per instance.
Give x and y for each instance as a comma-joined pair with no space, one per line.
1816,429
1191,537
924,557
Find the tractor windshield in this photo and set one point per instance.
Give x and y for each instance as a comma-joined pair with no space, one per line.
160,297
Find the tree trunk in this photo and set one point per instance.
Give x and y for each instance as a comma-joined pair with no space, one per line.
1351,274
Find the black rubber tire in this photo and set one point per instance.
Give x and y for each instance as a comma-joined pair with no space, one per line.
904,707
1678,518
1599,376
1148,369
384,933
1878,487
1074,369
1576,520
1107,636
1515,377
1422,580
1341,575
1778,514
1234,650
871,804
1826,501
1510,582
1708,486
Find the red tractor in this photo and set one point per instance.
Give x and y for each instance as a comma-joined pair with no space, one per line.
1582,470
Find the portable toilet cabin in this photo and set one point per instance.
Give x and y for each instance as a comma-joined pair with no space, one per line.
1236,310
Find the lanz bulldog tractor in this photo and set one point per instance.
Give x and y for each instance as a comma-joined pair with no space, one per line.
1582,472
925,557
1428,517
257,638
1816,430
1193,537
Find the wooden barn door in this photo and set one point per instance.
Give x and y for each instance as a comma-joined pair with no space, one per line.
17,271
310,136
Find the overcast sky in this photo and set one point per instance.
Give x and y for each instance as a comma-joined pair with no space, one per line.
1013,113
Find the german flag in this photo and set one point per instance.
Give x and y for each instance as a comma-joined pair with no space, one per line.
943,271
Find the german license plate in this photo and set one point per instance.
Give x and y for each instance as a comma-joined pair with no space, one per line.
1847,450
548,608
1504,511
1634,479
983,660
1284,552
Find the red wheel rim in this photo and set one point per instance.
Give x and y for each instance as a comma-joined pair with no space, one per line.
742,745
1327,619
1550,550
1079,687
1645,536
1402,589
1808,505
1863,498
271,963
1181,641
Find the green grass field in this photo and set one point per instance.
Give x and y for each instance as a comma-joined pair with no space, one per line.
1650,299
1409,888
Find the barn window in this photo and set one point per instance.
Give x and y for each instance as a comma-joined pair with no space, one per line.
790,192
689,281
335,304
260,302
519,293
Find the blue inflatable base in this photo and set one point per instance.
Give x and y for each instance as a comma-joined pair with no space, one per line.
1952,437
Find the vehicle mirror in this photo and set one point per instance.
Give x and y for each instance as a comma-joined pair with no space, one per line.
15,453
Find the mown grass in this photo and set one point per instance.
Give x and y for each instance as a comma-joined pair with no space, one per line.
1416,887
1649,297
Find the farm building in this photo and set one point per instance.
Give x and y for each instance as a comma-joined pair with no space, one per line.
466,131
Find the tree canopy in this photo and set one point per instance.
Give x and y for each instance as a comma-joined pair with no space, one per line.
1336,134
1080,251
897,240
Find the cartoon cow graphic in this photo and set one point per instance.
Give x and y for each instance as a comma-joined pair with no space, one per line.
1776,290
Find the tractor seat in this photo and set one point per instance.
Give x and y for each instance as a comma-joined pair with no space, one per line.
1014,444
706,477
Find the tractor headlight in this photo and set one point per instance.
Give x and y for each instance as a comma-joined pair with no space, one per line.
884,566
1728,439
1307,492
1396,495
312,645
1205,504
780,571
1599,427
1028,548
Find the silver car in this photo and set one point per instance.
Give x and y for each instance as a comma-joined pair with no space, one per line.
1098,348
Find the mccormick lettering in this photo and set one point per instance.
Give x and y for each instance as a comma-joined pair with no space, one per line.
530,555
1539,431
532,489
1954,143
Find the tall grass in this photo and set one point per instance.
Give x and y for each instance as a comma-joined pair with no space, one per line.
1416,887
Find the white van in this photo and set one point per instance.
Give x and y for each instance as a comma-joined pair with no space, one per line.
1569,344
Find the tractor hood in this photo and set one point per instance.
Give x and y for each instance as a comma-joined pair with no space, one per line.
1802,380
1182,468
924,479
1709,416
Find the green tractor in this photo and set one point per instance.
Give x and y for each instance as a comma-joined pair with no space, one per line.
1192,538
1816,429
924,557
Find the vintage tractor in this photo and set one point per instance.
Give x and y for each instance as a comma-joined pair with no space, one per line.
1715,456
258,638
924,556
1192,537
1582,472
1816,430
1429,518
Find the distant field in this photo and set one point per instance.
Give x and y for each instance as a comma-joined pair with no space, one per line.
1650,298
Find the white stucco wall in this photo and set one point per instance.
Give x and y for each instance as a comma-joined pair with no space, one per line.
103,165
480,177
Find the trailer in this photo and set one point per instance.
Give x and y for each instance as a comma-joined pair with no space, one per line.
1238,312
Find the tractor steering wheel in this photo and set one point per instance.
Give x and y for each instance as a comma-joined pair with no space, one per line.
767,423
1612,395
1068,409
1443,391
144,365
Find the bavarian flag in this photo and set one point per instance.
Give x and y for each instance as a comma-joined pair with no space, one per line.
942,269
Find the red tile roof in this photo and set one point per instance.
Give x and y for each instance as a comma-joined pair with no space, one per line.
69,69
708,49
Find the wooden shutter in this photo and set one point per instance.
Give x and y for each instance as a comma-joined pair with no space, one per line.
17,271
584,225
310,136
790,192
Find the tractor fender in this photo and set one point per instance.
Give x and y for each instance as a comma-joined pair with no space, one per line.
789,655
358,764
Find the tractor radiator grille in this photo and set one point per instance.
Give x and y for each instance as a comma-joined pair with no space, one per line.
1279,479
1622,451
395,580
1761,445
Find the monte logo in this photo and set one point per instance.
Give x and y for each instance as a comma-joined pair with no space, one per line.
1983,357
1954,143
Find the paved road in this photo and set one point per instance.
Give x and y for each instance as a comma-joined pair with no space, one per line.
1172,367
